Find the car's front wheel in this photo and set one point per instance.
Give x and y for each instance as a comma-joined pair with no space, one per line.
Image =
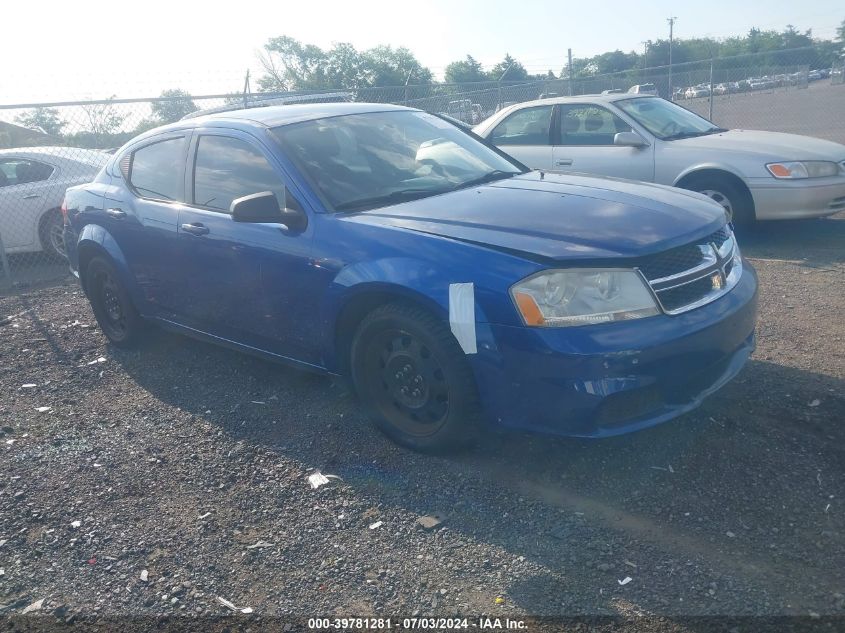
113,308
738,205
414,380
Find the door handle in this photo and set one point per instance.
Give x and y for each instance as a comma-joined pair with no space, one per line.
195,229
563,162
32,196
116,213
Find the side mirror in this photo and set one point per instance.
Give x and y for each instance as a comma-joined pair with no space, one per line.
264,207
629,139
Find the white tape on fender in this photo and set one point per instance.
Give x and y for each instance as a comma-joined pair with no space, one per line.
462,315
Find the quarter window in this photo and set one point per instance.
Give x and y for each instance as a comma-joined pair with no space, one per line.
157,170
228,168
589,125
524,127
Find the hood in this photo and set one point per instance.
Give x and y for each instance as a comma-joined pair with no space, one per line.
559,216
775,145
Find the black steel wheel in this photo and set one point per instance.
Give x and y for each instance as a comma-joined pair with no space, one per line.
118,318
414,380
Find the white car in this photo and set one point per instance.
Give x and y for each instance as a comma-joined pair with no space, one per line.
32,186
643,89
753,175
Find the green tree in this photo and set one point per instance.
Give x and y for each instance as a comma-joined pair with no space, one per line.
178,104
840,32
292,65
45,119
508,70
465,71
387,66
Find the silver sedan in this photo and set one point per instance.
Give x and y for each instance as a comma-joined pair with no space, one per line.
32,186
753,175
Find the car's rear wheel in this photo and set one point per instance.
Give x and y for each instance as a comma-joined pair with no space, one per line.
737,203
51,234
113,308
414,380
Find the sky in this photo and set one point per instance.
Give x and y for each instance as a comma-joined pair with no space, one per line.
59,50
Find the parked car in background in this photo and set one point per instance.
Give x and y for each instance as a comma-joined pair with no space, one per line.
32,185
643,89
694,92
752,174
457,290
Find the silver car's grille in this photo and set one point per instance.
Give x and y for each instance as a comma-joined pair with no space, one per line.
695,274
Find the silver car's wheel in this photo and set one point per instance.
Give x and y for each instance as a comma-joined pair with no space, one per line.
722,199
52,234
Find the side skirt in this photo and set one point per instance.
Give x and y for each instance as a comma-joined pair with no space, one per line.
178,328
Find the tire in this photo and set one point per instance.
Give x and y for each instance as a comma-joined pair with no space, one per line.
51,234
113,308
413,379
737,203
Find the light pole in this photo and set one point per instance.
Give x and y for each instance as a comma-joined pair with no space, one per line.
671,22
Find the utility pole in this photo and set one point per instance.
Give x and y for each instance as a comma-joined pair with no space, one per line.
410,72
246,89
645,54
671,22
569,53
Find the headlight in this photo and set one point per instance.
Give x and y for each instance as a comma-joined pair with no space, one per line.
803,169
559,298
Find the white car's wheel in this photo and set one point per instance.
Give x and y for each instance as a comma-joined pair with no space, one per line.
721,198
738,204
51,233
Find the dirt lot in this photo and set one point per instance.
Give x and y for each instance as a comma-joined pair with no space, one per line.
189,462
814,111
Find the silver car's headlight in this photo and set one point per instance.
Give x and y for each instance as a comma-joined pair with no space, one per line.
792,170
557,298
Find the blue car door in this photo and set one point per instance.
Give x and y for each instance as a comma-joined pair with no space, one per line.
243,282
140,212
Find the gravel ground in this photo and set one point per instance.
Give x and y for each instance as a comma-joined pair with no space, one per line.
160,480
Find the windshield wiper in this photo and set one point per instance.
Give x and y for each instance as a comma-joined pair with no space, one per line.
490,176
394,197
679,135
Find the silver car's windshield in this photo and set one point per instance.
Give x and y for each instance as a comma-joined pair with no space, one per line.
364,161
666,120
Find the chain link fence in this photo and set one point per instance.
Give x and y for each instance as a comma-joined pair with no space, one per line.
47,147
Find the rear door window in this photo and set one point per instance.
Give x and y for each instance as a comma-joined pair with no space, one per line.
228,168
18,171
158,170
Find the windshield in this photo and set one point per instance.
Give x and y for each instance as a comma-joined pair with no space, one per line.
666,120
363,161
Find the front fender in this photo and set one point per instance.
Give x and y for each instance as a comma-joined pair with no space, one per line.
709,166
405,278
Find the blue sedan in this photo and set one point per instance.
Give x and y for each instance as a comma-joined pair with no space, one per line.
455,288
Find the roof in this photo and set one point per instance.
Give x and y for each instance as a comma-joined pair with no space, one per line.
75,154
587,99
273,116
12,135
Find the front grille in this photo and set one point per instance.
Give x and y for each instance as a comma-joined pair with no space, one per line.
672,262
689,276
676,298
